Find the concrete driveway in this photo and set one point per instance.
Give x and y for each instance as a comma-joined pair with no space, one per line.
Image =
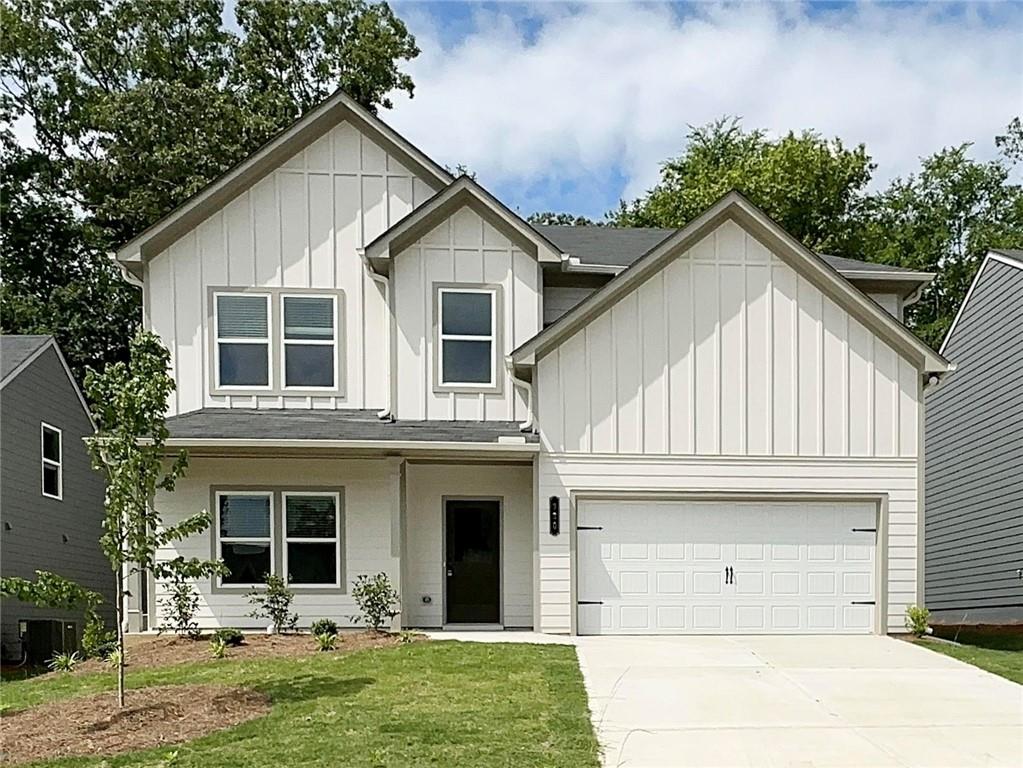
796,702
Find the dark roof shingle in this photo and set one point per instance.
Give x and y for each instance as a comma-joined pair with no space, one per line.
14,350
298,424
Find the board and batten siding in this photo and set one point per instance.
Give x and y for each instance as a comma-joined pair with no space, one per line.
370,534
728,351
299,227
463,249
729,371
974,443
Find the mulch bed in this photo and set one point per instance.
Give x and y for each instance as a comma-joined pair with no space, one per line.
164,650
152,717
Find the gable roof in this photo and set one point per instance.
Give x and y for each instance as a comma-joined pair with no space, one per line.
1011,257
736,207
17,353
304,131
463,192
619,247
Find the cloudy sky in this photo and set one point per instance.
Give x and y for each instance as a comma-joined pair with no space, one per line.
572,107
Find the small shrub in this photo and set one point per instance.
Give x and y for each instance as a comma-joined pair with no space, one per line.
916,620
64,662
218,647
180,606
406,637
230,636
377,600
98,642
274,603
326,641
324,627
113,659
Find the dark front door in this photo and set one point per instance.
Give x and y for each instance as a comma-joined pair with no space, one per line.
473,561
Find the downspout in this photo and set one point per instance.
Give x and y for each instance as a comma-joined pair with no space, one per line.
126,275
385,413
527,425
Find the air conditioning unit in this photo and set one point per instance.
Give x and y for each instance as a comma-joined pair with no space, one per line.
44,638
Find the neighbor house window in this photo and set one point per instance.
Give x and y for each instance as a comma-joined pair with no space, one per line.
52,460
467,337
312,539
309,342
245,536
242,328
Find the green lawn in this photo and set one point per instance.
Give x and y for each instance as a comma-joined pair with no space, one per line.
425,704
999,652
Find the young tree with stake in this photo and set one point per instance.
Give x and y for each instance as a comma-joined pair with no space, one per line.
129,401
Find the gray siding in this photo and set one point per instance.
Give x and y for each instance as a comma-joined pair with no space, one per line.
41,533
974,452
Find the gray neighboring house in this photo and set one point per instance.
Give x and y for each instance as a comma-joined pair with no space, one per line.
974,455
51,500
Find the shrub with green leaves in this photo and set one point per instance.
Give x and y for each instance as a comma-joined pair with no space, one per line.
916,620
274,603
64,662
406,637
113,659
218,647
326,641
230,636
180,606
377,599
98,642
323,627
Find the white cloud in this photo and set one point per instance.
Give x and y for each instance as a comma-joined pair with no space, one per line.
617,84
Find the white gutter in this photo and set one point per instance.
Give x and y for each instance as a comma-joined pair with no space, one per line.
527,425
514,443
385,413
126,275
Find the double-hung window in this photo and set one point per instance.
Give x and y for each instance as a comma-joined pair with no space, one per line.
468,337
312,539
242,331
52,460
245,536
309,342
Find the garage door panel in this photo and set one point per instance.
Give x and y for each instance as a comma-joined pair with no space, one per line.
659,567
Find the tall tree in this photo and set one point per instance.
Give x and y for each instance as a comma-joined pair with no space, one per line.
562,219
809,184
136,105
943,219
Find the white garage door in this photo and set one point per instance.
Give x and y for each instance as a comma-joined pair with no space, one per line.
679,567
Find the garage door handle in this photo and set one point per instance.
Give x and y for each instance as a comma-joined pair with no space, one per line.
864,530
590,602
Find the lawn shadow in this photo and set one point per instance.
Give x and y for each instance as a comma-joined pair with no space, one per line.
306,687
989,636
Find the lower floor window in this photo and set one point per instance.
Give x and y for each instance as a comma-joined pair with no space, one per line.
312,538
249,527
245,528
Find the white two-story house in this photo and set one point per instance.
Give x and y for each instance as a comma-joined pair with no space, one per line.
380,367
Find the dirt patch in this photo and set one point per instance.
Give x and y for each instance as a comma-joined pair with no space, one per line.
152,717
164,650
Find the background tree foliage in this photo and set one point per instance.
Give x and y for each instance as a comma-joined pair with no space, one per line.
135,106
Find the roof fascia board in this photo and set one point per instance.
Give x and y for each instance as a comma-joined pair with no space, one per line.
303,132
51,343
464,192
989,257
733,205
393,445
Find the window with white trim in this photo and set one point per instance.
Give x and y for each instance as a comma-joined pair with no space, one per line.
242,332
468,329
245,536
309,341
52,455
312,539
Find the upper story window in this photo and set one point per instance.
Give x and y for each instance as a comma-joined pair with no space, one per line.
276,341
52,451
242,329
310,341
467,343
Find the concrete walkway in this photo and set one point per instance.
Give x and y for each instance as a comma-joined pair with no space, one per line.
796,702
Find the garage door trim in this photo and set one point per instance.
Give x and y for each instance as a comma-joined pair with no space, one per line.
631,494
